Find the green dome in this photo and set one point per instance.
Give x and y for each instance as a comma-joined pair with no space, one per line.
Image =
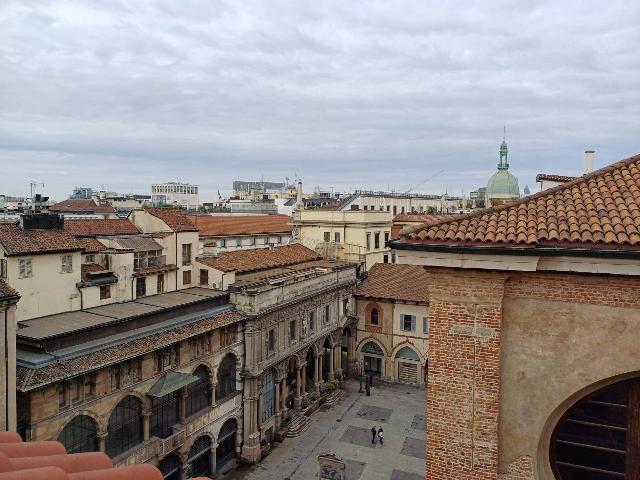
502,185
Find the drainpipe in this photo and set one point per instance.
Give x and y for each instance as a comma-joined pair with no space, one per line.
6,367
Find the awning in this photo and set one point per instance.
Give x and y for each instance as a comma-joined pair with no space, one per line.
170,382
138,243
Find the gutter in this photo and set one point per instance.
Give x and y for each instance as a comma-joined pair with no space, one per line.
520,251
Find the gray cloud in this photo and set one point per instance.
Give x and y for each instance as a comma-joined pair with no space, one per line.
346,94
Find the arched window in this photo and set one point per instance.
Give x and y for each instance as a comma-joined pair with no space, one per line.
597,438
199,393
226,377
372,348
226,442
268,392
170,467
79,435
165,414
200,458
407,353
373,319
125,426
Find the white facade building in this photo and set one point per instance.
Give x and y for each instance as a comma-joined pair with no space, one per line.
173,193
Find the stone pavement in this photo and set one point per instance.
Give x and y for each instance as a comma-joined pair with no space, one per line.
345,430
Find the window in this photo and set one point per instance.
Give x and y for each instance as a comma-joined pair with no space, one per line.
199,392
105,292
345,306
395,210
204,277
393,257
374,320
3,268
125,427
402,211
385,258
268,392
89,258
63,401
164,415
326,314
386,238
24,266
312,321
425,325
238,242
160,282
186,254
151,258
80,435
292,330
365,207
186,277
141,287
407,323
271,340
368,241
226,377
327,236
337,237
66,264
376,240
388,207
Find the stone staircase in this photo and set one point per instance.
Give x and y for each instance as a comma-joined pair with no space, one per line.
299,424
334,397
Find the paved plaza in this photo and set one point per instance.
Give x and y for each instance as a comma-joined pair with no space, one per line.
346,430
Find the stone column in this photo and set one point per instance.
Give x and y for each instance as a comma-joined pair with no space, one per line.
213,461
182,407
278,406
320,365
283,396
331,359
316,374
260,411
251,447
297,401
304,380
213,393
146,414
102,441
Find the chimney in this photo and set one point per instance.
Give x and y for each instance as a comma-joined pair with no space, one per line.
299,200
589,157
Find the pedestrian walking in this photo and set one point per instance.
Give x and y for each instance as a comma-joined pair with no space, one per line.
368,390
381,436
373,435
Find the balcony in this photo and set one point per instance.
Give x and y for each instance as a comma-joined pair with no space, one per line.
146,262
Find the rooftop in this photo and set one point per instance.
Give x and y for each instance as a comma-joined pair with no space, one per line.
223,225
396,282
82,206
175,219
6,292
17,241
260,258
95,227
598,211
553,178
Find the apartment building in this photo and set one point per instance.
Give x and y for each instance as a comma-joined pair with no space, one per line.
175,194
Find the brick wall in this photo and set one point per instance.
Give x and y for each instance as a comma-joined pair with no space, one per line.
463,397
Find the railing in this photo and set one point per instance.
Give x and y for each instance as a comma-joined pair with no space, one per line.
142,454
158,261
226,406
167,445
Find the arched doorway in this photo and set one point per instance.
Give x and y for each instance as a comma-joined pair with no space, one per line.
226,450
199,459
373,357
226,377
326,358
598,437
199,393
407,363
80,435
292,368
170,467
125,426
311,369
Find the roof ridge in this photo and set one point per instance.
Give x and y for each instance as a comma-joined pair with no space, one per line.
523,200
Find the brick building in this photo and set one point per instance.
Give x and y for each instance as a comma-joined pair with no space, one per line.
533,345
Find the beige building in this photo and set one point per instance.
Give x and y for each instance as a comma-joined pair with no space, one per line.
354,235
8,299
393,323
401,203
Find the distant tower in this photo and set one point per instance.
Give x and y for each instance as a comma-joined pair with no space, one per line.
503,164
527,191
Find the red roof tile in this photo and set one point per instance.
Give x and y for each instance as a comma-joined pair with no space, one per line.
88,268
106,226
222,225
553,178
20,242
91,245
82,206
598,210
403,220
175,219
260,258
395,282
6,292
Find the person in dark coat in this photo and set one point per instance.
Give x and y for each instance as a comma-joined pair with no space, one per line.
373,435
381,436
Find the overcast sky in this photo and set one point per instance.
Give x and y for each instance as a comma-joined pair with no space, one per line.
349,94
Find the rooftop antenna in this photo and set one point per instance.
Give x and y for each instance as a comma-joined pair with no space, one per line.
504,132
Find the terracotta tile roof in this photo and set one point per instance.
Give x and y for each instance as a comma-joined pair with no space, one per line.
175,219
600,210
31,378
91,245
260,258
48,460
94,227
223,225
553,178
141,272
82,206
21,242
395,282
88,268
6,292
402,220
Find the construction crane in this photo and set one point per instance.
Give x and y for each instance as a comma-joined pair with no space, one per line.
411,188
